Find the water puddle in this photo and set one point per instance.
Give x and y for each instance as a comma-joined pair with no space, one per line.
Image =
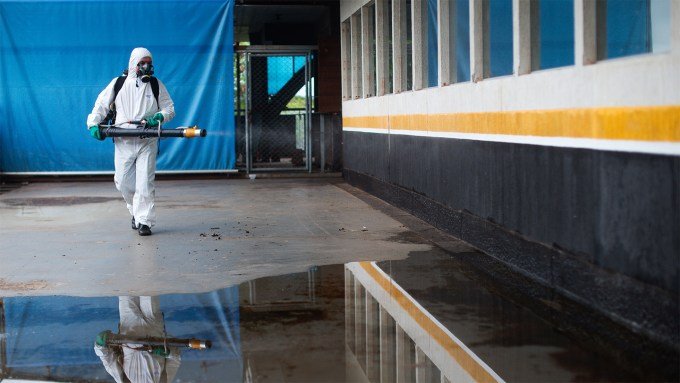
419,319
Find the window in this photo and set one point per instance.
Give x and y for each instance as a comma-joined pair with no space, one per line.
500,38
630,27
556,41
462,38
432,42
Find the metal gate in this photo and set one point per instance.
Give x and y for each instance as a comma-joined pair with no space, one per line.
278,105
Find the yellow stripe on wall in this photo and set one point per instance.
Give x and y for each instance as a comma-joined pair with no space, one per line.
469,364
635,123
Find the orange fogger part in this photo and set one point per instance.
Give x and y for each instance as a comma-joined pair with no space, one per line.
194,131
198,344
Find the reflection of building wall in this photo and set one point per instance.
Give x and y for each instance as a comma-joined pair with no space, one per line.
292,327
3,345
281,293
393,339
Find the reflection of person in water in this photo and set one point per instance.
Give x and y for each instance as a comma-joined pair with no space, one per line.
131,362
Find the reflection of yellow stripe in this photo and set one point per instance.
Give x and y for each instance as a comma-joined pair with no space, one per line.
660,123
476,371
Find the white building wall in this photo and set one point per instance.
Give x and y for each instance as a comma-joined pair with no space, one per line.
646,80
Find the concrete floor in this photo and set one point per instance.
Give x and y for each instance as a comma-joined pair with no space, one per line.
275,248
75,238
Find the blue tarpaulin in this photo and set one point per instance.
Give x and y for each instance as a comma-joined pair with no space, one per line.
56,56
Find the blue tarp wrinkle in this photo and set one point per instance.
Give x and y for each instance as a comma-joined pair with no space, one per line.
55,58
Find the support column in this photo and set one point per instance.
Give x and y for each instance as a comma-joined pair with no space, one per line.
404,369
424,367
521,37
368,64
372,339
535,31
479,39
349,309
3,342
675,27
382,46
387,347
585,48
345,64
446,16
360,324
399,76
486,38
419,33
355,36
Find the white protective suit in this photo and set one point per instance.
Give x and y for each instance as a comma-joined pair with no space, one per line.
139,317
135,158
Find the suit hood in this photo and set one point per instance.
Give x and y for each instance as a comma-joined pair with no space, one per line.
135,57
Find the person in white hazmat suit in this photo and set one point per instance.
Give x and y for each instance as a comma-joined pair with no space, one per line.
139,317
135,158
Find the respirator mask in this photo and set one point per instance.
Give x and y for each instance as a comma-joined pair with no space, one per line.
144,71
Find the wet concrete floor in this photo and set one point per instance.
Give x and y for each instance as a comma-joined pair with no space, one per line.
75,238
290,281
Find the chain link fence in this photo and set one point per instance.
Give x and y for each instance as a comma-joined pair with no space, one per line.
277,128
280,102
